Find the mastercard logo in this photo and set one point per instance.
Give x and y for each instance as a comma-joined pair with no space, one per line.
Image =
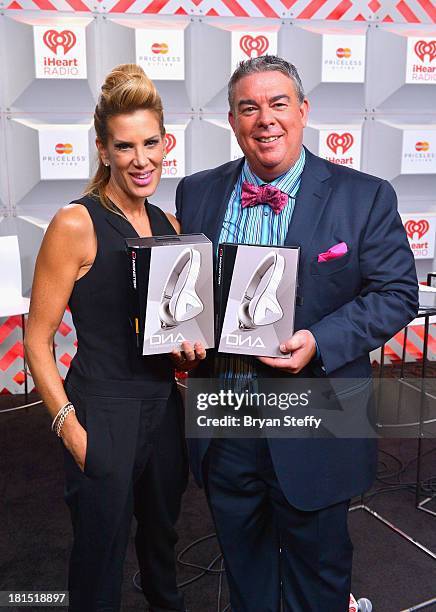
422,146
159,48
341,53
64,148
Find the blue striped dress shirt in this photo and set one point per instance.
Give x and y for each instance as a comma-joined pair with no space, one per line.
256,225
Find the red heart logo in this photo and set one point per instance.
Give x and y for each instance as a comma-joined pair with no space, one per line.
170,142
413,227
423,48
334,141
54,39
259,44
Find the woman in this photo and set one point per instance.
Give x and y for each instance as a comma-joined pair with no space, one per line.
118,414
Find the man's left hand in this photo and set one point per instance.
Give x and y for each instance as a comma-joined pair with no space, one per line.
302,348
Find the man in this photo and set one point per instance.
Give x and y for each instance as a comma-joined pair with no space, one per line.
280,505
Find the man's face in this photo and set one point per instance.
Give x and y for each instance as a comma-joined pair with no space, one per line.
268,122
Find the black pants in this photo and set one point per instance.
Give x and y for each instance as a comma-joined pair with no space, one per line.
275,555
135,463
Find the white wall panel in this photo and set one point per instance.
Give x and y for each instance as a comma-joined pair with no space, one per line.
383,107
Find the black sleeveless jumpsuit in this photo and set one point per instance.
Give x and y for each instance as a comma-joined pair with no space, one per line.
135,458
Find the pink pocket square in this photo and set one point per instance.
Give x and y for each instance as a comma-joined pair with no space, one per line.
338,250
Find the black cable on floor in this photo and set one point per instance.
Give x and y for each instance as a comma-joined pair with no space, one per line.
204,569
427,485
404,466
195,565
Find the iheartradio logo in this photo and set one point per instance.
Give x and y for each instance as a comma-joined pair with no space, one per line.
336,141
413,227
170,142
343,52
423,48
64,148
422,146
159,48
54,39
258,44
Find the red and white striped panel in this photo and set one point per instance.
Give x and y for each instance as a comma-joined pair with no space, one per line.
414,346
11,350
11,353
11,356
398,11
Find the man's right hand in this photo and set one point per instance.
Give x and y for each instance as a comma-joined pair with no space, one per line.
75,438
189,357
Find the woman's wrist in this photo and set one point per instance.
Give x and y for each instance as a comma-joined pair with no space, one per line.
60,418
69,430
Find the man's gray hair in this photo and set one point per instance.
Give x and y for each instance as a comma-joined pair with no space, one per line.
265,63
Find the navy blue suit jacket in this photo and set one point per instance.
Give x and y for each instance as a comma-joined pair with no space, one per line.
352,304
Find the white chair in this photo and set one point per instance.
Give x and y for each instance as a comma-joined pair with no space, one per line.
12,301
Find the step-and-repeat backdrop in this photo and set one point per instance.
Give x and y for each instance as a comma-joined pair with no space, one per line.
368,68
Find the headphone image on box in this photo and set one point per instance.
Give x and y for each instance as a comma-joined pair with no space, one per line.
259,305
184,304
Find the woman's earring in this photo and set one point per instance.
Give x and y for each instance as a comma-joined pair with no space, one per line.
106,164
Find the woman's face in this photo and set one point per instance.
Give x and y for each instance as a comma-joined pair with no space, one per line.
134,150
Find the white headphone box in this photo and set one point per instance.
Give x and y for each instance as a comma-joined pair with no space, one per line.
172,291
257,288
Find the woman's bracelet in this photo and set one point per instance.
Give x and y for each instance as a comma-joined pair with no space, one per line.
59,420
65,412
53,424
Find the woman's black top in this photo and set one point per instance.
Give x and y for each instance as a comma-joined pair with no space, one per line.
106,354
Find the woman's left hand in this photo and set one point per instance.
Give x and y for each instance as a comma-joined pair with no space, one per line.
189,357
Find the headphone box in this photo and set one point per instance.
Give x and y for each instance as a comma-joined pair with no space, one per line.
171,280
257,288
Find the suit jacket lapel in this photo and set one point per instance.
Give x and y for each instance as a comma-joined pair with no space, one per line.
311,200
216,200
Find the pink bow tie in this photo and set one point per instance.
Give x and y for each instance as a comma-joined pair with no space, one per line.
264,194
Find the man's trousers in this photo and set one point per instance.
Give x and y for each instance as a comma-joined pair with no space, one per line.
275,555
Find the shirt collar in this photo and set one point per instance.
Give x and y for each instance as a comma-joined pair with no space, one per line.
286,182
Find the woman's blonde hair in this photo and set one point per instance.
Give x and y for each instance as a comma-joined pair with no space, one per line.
126,89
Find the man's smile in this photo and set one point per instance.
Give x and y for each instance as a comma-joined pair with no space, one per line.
267,139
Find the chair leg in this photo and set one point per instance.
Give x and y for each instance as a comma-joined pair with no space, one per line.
26,390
